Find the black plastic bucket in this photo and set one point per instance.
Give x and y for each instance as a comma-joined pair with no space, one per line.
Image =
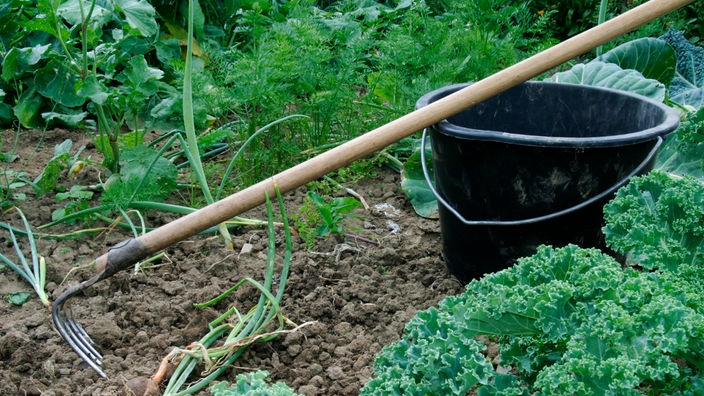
535,165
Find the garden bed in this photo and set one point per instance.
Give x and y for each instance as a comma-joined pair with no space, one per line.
357,294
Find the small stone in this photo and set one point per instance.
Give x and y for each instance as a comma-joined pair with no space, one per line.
309,390
317,381
315,369
247,248
340,351
141,337
293,338
294,350
335,372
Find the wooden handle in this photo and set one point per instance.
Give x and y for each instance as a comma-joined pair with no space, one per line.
385,135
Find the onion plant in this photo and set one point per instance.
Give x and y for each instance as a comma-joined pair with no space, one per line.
234,331
189,124
34,274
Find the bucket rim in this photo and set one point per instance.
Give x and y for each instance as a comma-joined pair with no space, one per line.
669,123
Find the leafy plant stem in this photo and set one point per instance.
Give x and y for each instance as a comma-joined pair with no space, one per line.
244,145
189,125
36,275
59,237
603,5
105,128
392,162
84,34
62,43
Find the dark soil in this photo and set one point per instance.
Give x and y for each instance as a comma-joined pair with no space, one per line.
358,294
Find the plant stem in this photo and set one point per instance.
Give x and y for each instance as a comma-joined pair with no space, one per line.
84,35
34,275
189,125
602,17
226,174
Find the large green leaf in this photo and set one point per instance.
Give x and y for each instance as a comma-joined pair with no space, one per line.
508,323
416,188
609,75
687,87
140,77
92,89
73,120
56,82
140,15
5,109
27,108
19,60
651,57
144,176
71,12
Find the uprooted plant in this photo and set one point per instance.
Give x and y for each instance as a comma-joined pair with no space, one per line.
234,331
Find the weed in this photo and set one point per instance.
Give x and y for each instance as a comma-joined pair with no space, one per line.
318,217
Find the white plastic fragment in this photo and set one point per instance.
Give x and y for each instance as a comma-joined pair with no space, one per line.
387,210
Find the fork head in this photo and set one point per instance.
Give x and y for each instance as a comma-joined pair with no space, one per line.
72,331
118,258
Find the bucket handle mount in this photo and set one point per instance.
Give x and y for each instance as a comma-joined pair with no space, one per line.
537,219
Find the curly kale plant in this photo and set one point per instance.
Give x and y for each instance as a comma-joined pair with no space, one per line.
253,384
657,220
683,151
567,321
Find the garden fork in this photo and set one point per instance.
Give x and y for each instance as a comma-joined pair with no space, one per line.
127,253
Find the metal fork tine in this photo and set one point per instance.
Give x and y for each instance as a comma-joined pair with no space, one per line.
73,332
83,338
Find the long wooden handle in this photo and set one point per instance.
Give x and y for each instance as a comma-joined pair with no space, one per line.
122,256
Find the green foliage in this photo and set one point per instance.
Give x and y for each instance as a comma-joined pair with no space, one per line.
332,212
252,384
683,150
687,87
575,16
658,221
48,179
11,182
416,188
32,270
568,321
653,58
78,197
433,357
609,75
669,66
347,65
17,298
71,55
318,217
455,42
144,176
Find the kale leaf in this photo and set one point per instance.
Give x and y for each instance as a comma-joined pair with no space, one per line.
657,221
